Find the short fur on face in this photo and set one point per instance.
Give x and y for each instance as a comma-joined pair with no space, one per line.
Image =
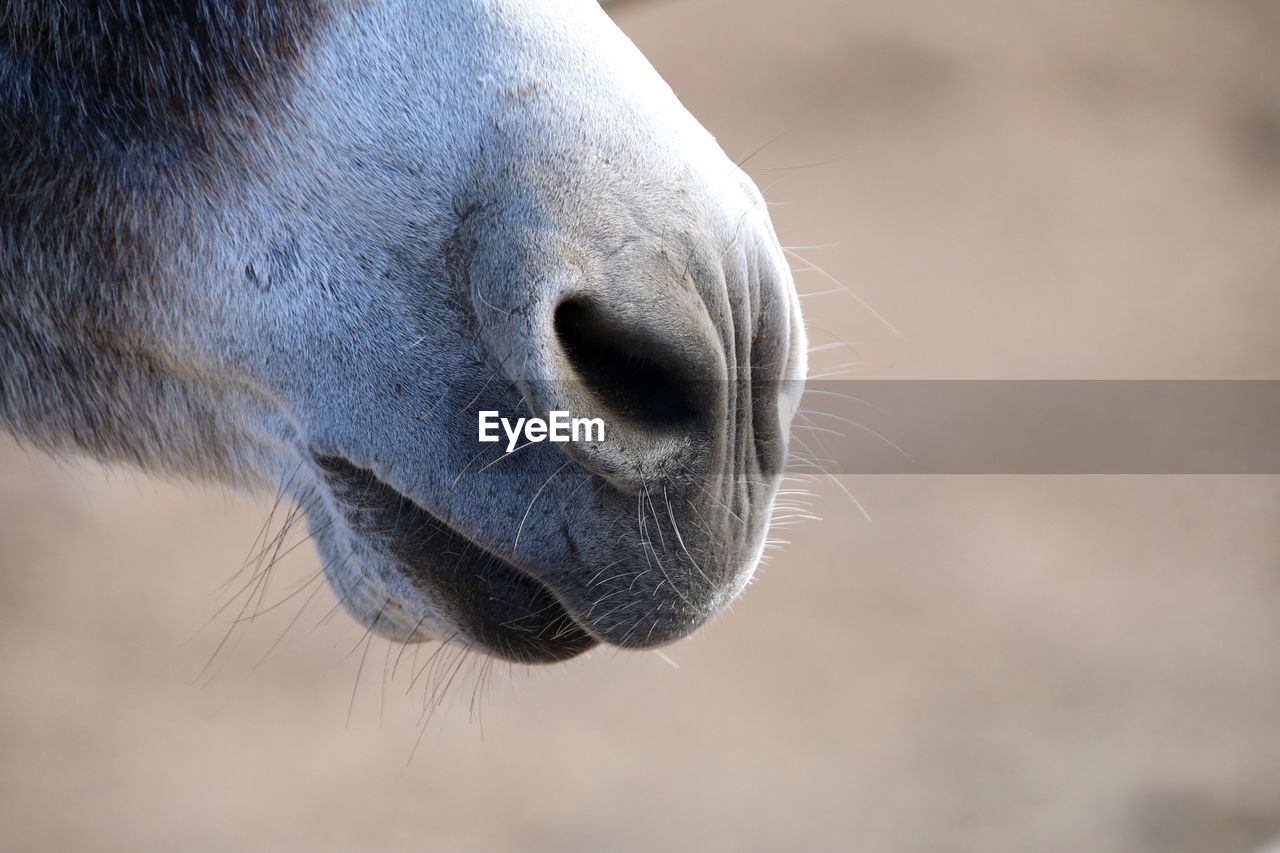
303,242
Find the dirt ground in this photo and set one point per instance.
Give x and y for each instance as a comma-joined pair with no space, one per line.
1024,189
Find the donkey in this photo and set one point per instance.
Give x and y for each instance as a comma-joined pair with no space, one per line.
305,241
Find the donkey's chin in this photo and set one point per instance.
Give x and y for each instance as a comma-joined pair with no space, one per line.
405,573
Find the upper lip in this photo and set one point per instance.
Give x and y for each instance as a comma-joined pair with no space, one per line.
490,601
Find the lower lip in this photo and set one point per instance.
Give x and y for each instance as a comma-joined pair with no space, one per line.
492,604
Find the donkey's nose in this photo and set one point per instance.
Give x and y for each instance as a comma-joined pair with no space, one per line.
650,364
644,375
679,367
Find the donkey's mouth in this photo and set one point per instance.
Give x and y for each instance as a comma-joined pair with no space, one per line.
484,599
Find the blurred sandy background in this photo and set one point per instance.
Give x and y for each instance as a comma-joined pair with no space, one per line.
1025,189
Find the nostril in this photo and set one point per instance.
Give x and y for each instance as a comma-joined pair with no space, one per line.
632,376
